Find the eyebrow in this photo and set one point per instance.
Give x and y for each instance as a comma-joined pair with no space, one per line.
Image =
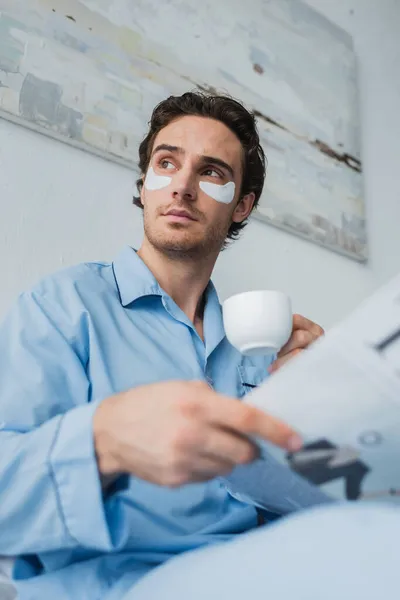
206,159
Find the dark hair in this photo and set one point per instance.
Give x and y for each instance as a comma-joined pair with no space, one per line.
222,108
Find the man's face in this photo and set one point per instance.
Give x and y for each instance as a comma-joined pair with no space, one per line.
191,190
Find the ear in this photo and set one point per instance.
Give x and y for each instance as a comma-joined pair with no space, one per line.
141,191
243,208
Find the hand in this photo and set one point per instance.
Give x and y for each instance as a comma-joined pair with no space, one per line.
178,432
304,333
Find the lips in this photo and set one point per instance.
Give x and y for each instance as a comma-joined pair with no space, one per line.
183,214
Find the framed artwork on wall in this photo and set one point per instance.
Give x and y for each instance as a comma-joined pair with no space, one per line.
89,72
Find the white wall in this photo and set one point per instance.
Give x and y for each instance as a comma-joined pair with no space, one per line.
60,206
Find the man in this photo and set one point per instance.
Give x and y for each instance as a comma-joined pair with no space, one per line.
119,393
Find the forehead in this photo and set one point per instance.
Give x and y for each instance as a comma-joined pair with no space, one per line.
202,136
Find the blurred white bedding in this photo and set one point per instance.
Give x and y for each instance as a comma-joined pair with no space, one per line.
7,589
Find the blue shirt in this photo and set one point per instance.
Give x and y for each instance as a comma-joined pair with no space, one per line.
78,337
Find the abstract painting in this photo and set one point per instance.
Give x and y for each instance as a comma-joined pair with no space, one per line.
89,73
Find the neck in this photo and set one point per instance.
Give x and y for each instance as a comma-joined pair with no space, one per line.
183,279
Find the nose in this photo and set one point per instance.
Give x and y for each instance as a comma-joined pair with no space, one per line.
184,185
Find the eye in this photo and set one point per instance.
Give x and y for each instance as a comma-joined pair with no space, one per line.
211,173
166,164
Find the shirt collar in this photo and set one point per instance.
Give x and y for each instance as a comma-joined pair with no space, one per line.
134,280
214,331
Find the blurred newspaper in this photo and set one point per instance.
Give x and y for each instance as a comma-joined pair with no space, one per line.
343,396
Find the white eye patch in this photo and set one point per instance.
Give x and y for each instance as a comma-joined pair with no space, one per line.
156,182
220,193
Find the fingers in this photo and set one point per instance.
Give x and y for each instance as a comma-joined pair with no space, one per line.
247,420
283,360
300,322
259,424
230,447
305,332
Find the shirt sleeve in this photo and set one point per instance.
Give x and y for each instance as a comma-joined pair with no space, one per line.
50,490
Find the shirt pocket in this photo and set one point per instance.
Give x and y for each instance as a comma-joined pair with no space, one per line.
250,377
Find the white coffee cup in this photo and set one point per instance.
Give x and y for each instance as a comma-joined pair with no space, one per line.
258,322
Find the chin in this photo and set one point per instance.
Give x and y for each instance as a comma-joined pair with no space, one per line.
180,245
180,242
